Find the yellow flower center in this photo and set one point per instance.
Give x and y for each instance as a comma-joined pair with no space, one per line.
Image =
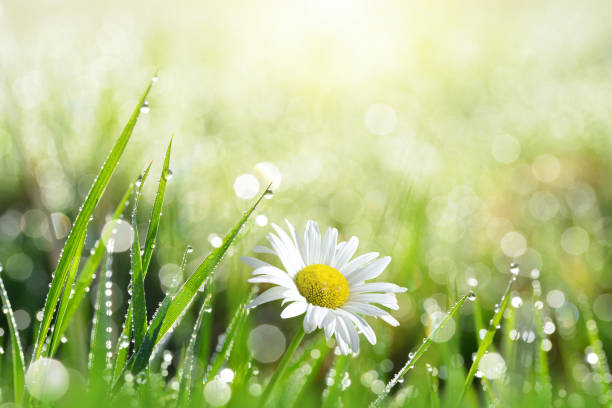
323,286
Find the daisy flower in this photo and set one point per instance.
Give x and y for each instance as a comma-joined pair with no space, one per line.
319,279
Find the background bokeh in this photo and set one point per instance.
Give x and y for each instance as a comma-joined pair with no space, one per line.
455,136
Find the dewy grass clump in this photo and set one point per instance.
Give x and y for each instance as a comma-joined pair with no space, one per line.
137,346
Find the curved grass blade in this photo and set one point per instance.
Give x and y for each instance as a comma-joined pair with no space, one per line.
17,351
138,304
419,352
123,345
189,361
74,243
156,212
190,288
488,338
84,280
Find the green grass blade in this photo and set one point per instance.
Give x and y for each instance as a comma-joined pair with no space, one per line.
542,371
419,352
601,364
488,338
123,345
189,361
99,363
333,391
138,303
141,357
85,277
17,351
156,212
66,295
233,329
190,288
74,243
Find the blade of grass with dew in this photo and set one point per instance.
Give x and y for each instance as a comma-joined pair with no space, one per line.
100,333
138,303
186,373
157,211
419,352
333,391
66,294
488,338
190,288
74,244
478,323
542,372
86,276
233,329
601,365
16,350
140,359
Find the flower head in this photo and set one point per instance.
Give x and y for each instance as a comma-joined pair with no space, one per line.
321,280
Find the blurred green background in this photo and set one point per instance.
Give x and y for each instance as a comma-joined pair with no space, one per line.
455,136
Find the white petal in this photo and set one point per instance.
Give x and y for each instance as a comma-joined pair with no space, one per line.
353,335
276,280
390,319
376,287
357,263
269,295
260,249
384,299
309,320
342,331
286,255
312,241
253,262
329,324
328,250
361,324
299,244
294,309
369,271
369,310
292,295
291,248
271,270
345,253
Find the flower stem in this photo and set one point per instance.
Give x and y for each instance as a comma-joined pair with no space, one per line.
282,366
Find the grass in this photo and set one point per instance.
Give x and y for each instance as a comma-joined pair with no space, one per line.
126,370
498,152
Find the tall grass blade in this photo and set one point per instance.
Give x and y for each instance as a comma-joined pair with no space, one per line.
85,278
138,303
232,331
190,288
190,357
333,390
488,338
414,357
156,212
66,295
74,243
99,363
542,371
17,351
600,365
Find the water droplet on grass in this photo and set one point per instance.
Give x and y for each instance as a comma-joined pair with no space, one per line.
145,109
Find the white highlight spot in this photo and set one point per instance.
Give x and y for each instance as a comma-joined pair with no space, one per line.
246,186
47,379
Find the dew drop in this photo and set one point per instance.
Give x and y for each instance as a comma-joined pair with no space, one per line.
472,297
168,175
144,109
514,269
